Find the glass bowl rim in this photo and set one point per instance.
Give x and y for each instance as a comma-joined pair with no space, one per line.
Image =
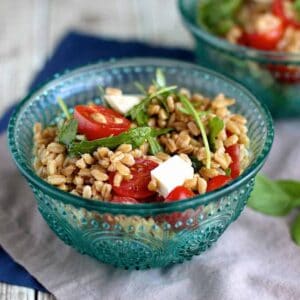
237,50
147,208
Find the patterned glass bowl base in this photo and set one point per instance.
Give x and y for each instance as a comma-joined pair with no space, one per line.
273,77
146,235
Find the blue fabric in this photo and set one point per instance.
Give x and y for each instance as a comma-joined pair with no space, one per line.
73,51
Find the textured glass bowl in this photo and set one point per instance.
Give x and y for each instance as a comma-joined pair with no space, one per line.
145,235
264,73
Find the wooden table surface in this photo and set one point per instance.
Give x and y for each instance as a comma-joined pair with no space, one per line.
29,30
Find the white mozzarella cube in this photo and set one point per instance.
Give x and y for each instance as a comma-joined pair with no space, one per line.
122,103
171,174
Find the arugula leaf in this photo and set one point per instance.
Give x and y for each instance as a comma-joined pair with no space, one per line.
64,107
67,132
228,172
218,16
268,198
187,105
160,79
140,88
297,7
155,146
139,111
135,136
215,126
295,230
196,163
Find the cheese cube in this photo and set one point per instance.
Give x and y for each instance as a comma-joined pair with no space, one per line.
171,174
122,103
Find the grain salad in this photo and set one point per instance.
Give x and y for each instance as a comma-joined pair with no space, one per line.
162,144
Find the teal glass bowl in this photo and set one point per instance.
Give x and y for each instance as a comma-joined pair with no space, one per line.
267,74
144,235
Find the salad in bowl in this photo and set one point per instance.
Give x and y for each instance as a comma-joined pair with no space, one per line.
140,163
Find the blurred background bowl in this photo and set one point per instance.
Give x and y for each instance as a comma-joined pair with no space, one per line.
144,235
273,77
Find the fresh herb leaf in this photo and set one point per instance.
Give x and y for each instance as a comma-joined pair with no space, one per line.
297,8
155,146
187,105
64,107
135,136
139,111
228,172
295,230
160,79
292,188
200,113
215,126
218,16
268,198
140,88
196,163
101,91
67,132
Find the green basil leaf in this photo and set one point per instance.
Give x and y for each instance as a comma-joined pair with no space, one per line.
292,188
134,136
268,198
215,126
67,132
295,230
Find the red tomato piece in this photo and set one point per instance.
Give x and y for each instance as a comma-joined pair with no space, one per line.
124,200
279,11
179,193
234,152
264,40
217,182
285,74
137,186
95,121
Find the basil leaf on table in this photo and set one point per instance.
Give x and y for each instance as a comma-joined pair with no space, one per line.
268,198
295,230
135,136
68,131
215,126
292,188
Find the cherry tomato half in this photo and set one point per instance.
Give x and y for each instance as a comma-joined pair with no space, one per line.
234,152
95,121
263,40
278,9
137,186
124,200
217,182
285,74
179,193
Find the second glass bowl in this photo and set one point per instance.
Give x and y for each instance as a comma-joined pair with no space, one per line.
273,77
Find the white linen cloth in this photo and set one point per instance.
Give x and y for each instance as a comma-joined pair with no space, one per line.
254,259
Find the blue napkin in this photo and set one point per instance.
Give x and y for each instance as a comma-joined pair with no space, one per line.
73,51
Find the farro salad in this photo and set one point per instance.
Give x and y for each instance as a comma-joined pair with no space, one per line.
261,24
161,145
